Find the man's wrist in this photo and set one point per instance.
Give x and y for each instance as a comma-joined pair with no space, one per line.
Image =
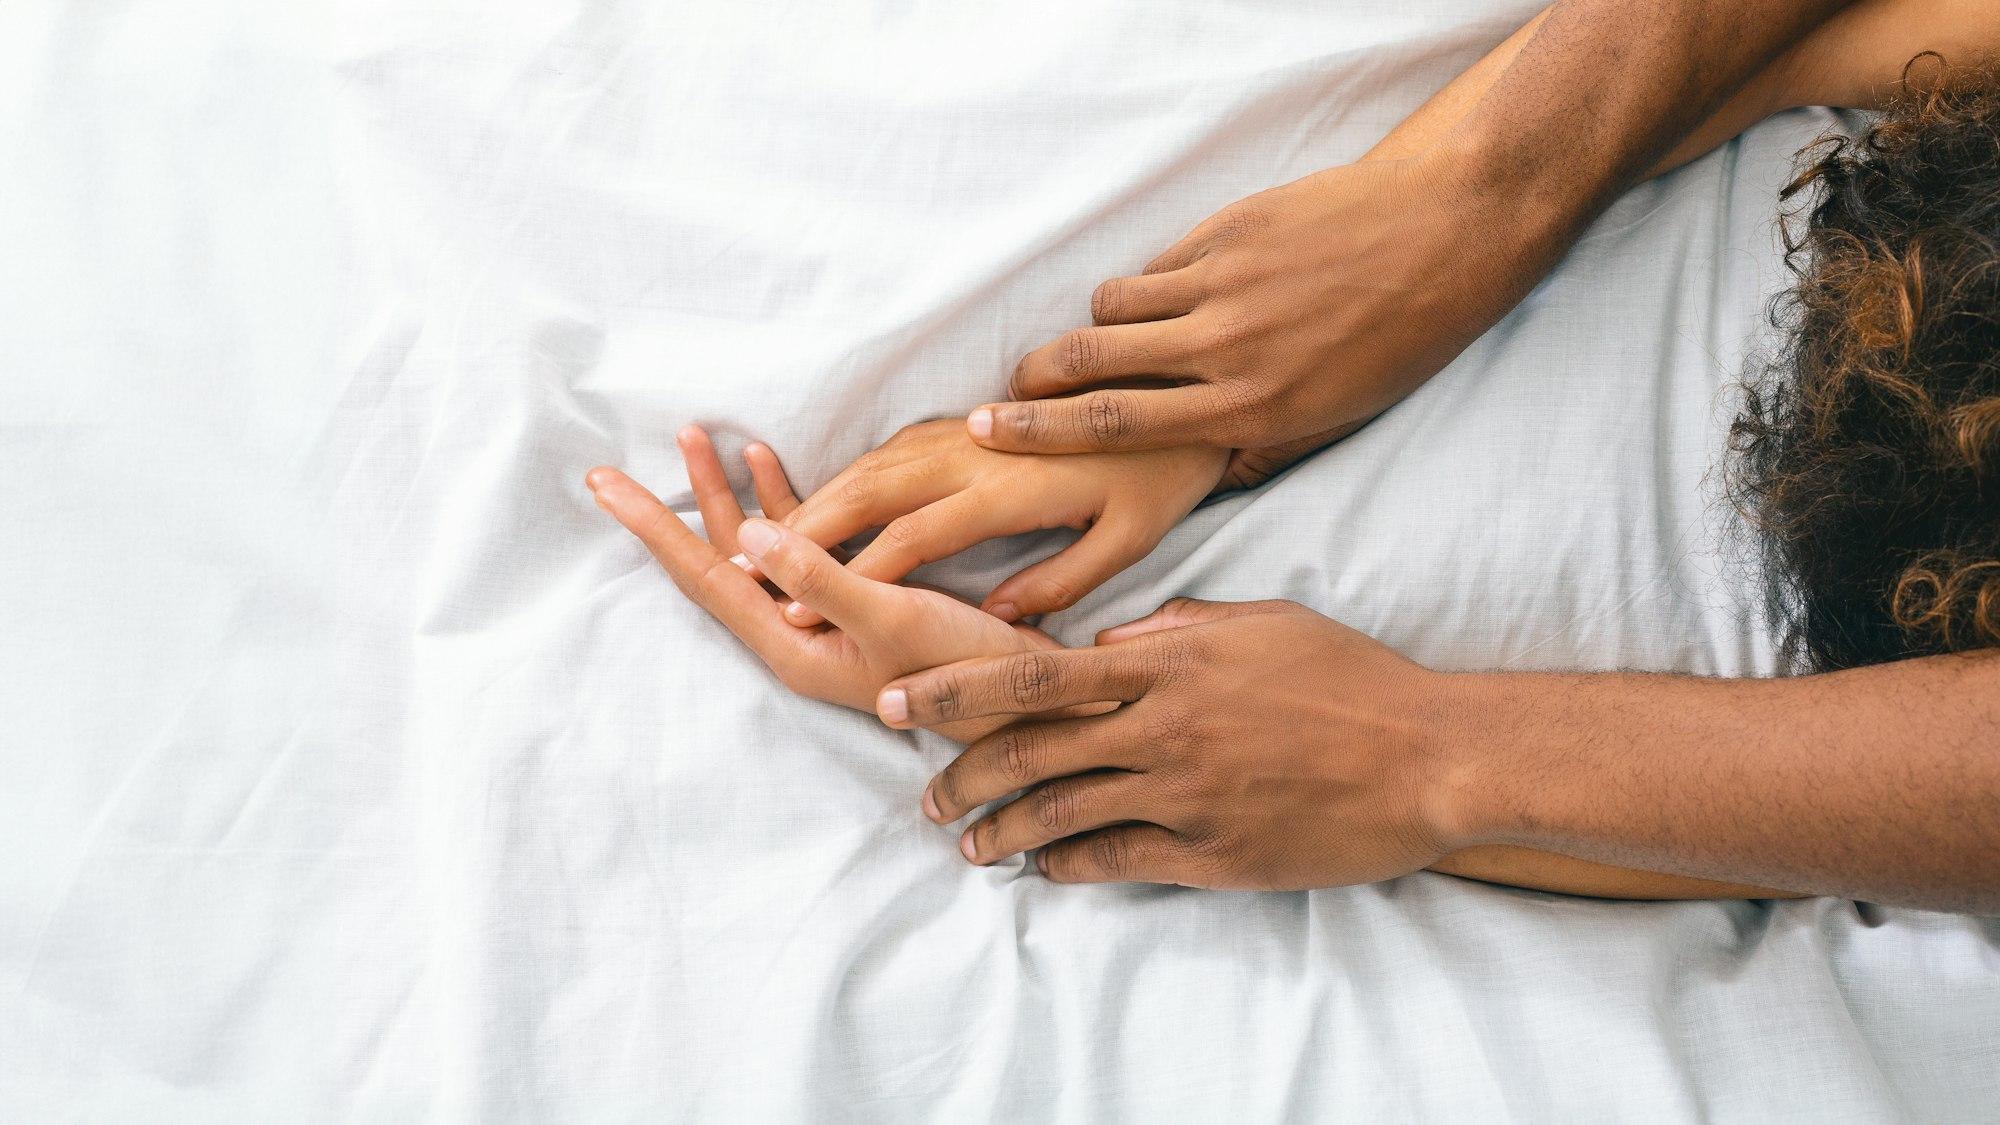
1517,198
1467,748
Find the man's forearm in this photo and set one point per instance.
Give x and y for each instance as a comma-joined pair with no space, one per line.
1602,89
1877,783
1851,60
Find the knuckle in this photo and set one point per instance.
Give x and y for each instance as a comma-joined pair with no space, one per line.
1171,657
943,698
1108,418
1020,758
1034,680
858,489
1111,854
902,535
1081,355
1058,594
1029,424
1225,332
808,581
1240,220
1108,301
1208,846
1238,397
1161,730
1053,808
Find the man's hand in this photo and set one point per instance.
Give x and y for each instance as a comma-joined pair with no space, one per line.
933,494
877,631
1285,320
1224,767
1263,746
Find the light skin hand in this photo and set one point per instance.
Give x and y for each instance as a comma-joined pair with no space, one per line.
877,631
935,493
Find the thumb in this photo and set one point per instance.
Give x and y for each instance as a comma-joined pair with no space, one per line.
1182,612
803,569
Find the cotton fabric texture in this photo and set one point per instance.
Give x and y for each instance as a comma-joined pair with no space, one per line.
356,766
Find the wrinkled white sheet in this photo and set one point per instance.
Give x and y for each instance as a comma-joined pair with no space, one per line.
355,765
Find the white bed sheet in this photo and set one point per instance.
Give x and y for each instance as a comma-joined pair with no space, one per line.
356,766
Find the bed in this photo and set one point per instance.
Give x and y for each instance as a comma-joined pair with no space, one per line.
358,768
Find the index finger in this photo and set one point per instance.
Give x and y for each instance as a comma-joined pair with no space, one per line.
864,496
1101,421
1026,683
803,569
701,572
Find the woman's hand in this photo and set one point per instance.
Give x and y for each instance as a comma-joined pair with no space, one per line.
934,493
1259,745
1288,319
877,631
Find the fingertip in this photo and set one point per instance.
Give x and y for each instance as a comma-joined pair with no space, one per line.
979,423
757,536
691,435
892,706
600,476
931,809
1118,633
1005,611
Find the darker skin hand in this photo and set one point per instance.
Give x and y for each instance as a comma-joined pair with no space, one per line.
1220,768
1283,322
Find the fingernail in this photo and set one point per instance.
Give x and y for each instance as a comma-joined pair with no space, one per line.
756,537
1006,611
893,705
965,847
742,562
930,805
980,423
795,610
1042,862
597,477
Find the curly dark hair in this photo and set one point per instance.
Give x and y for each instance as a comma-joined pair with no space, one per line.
1868,451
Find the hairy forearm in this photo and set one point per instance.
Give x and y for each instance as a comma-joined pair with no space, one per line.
1600,90
1878,783
1850,60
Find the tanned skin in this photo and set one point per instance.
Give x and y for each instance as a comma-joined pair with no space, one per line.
1219,770
1386,269
1820,784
